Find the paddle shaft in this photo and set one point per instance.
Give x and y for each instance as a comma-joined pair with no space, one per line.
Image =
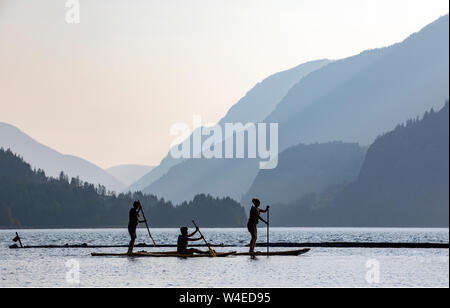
146,224
268,235
20,241
207,244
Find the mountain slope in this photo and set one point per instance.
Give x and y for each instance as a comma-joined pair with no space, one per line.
351,100
31,200
357,99
405,177
403,183
307,169
53,162
255,106
128,174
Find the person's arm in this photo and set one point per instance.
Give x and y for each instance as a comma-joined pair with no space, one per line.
263,211
263,220
138,216
193,233
139,221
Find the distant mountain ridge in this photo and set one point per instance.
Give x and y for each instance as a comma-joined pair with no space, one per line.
128,174
404,182
350,100
53,162
357,99
305,169
255,106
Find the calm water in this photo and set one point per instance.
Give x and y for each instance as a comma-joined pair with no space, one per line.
322,267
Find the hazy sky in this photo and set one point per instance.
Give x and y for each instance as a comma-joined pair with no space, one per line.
108,89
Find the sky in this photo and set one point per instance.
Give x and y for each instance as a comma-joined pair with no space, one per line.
109,88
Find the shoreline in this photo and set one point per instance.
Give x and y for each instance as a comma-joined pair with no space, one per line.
398,245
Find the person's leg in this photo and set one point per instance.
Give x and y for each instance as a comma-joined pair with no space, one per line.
253,241
250,230
201,252
131,245
133,239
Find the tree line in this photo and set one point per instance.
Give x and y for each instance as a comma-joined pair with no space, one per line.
403,182
30,199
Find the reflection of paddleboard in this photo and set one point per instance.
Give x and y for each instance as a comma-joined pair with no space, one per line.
276,253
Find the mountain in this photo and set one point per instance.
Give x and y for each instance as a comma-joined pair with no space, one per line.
53,162
404,182
255,106
29,199
128,174
358,98
351,100
216,176
305,169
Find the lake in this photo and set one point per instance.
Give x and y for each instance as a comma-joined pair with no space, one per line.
321,267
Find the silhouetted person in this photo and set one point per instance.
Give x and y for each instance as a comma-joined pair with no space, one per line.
184,238
253,220
133,223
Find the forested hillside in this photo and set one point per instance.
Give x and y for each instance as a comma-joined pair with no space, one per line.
305,169
30,199
403,183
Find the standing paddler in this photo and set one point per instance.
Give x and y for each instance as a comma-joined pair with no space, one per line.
133,223
253,220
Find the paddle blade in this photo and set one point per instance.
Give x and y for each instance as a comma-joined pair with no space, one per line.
212,252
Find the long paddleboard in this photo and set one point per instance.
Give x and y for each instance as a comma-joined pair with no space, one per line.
162,255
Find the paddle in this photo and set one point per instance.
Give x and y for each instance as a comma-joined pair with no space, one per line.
209,247
268,222
17,238
146,224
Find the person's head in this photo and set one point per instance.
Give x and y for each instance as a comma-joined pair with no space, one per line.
256,202
136,205
184,230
